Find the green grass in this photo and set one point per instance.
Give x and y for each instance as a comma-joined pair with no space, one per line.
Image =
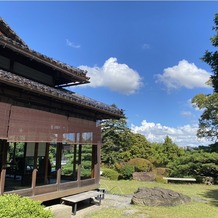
205,203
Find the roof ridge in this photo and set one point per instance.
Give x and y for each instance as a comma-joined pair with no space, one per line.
59,63
12,32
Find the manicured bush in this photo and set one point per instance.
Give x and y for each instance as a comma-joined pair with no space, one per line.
162,171
141,164
110,174
160,179
126,171
13,205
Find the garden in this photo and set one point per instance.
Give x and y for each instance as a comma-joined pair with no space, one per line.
204,201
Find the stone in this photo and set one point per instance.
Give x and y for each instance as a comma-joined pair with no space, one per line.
158,197
208,180
143,176
60,210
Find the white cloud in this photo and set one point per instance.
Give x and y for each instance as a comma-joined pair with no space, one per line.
115,76
184,74
182,136
72,44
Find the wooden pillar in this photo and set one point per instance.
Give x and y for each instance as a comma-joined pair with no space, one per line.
34,173
94,161
4,153
34,176
36,155
46,163
58,163
79,165
4,165
97,166
2,187
74,161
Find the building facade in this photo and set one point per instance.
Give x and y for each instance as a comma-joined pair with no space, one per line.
50,137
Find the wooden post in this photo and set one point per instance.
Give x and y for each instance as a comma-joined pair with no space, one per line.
58,163
94,160
97,167
79,165
46,164
34,173
4,165
3,173
74,161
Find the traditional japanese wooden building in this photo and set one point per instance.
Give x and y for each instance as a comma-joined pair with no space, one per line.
50,137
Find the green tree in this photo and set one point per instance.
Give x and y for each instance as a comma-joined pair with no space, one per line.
164,153
157,155
211,58
195,163
115,140
140,147
208,122
170,151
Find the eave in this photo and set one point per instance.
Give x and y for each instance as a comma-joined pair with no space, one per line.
105,111
75,75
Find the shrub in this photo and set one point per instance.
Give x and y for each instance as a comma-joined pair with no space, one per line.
13,205
199,179
119,166
160,179
161,171
141,164
126,171
110,174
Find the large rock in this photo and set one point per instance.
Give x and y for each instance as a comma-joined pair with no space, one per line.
143,176
158,197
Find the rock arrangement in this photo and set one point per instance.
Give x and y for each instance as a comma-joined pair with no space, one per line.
208,180
158,197
143,176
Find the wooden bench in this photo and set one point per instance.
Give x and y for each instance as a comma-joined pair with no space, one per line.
179,179
81,197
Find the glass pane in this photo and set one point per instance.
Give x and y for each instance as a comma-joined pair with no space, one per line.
87,137
52,159
46,164
86,162
69,163
19,168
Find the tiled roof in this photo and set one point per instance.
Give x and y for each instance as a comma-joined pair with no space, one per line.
9,39
63,95
14,42
8,32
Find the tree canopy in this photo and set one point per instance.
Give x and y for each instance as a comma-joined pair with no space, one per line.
208,122
211,58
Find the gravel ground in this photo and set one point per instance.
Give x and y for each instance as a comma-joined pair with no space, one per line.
110,201
115,201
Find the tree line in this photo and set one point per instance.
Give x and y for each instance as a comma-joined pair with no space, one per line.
120,147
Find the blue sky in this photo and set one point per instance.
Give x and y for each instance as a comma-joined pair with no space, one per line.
143,56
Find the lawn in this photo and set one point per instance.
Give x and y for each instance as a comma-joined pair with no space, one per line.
204,203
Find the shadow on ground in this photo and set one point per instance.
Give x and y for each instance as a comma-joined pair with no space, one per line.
212,196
